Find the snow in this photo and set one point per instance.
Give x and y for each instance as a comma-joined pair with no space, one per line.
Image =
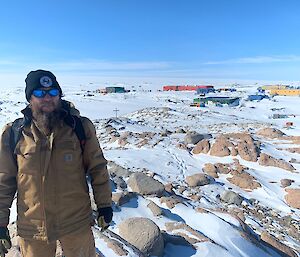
146,112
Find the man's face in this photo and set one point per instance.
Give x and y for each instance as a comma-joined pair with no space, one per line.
46,104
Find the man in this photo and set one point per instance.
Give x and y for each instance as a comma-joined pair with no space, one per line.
48,168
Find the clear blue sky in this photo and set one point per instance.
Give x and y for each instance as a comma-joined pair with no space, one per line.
236,39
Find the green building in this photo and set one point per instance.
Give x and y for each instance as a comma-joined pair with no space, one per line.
232,101
115,90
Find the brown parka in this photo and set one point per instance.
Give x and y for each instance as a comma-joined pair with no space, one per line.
49,175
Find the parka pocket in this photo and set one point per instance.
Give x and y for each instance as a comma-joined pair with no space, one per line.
28,159
68,154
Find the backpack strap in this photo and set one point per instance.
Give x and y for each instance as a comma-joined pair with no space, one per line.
79,131
76,124
15,133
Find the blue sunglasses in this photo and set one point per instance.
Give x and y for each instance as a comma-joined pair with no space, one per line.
40,93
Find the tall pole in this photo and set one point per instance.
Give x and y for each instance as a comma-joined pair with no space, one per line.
116,111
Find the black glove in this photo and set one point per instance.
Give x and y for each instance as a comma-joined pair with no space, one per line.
5,242
104,217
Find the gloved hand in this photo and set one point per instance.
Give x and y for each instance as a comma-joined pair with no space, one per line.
5,242
104,217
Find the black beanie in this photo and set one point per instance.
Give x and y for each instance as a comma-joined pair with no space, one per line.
39,79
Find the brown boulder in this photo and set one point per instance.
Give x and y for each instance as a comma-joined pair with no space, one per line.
267,160
265,236
270,133
223,168
202,146
244,181
210,170
170,201
198,180
286,182
293,197
221,147
248,150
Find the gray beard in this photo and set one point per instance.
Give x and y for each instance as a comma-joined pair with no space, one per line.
46,121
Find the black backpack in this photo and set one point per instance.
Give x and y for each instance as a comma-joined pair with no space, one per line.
72,120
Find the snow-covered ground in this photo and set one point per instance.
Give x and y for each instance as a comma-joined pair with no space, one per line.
157,112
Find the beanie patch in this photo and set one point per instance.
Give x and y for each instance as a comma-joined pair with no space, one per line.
46,81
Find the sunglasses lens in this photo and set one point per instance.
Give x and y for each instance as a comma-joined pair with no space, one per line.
53,92
39,93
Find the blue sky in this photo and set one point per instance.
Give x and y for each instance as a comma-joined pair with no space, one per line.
187,39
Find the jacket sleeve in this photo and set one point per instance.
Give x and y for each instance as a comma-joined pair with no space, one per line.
8,173
95,165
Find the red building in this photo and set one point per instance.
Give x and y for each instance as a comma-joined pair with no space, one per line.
185,87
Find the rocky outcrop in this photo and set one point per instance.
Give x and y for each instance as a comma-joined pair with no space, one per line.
293,197
248,150
210,170
267,160
266,237
202,146
144,234
170,201
244,181
189,234
145,185
221,147
223,168
270,133
155,209
193,138
231,197
117,170
286,182
198,180
121,198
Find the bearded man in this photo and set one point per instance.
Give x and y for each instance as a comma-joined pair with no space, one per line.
48,167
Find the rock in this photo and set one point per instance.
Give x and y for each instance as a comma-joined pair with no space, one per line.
270,133
170,201
144,234
286,182
122,198
244,181
210,170
293,197
198,180
122,141
117,170
180,131
292,150
142,143
119,182
169,188
248,150
182,146
188,233
116,246
267,160
223,168
193,138
221,147
155,209
231,197
265,236
176,240
238,167
145,185
202,146
165,133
